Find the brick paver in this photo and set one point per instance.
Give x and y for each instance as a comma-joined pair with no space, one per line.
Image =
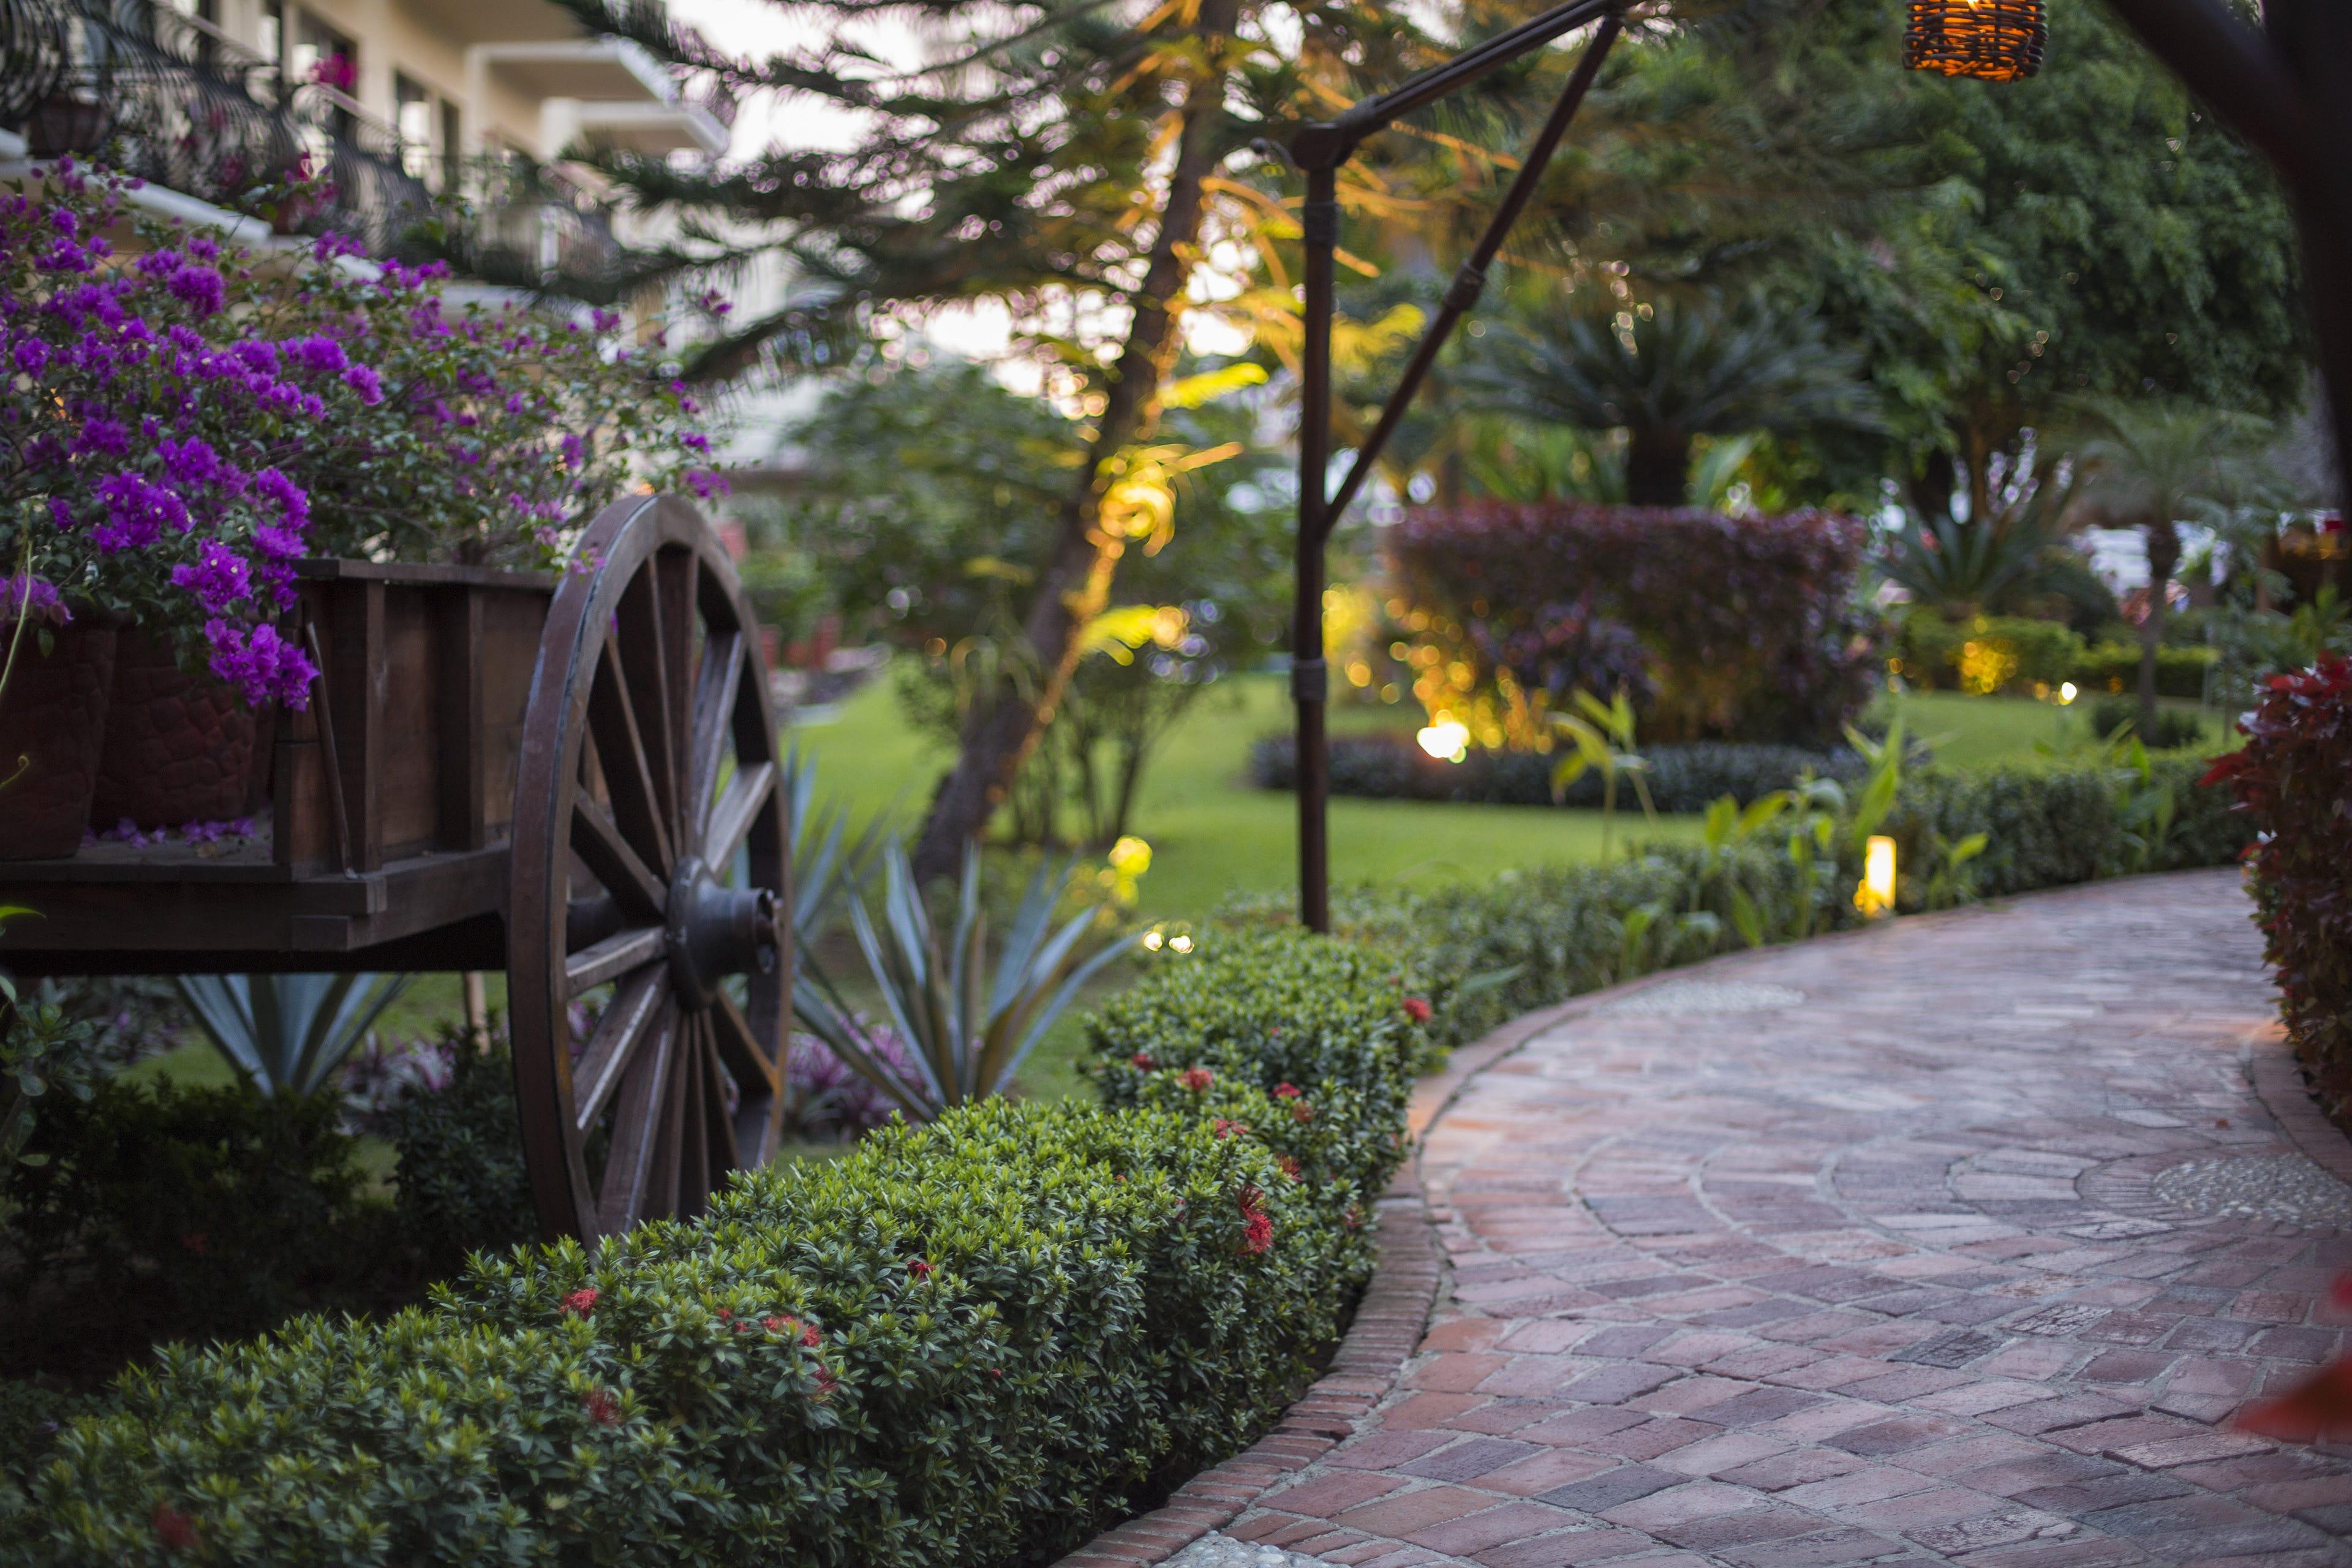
1875,1279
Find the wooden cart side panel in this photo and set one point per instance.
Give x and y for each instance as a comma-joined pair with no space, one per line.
407,732
513,622
461,809
425,683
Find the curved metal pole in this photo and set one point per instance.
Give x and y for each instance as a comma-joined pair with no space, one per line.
1321,149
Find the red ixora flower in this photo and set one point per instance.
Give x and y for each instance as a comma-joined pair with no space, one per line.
1302,1112
581,1302
1288,1167
1417,1009
1257,1225
1353,1217
1287,1091
1228,1127
603,1408
920,1269
1142,1060
1196,1078
175,1529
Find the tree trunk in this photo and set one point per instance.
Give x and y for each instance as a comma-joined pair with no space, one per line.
2163,555
1002,731
1657,468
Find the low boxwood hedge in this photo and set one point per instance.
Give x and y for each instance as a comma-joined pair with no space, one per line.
1682,778
973,1342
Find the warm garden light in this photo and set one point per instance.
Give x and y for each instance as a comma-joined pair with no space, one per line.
1875,895
1992,40
1449,741
1153,940
2067,692
1180,944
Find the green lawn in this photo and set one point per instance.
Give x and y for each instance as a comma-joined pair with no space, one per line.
1211,832
1968,731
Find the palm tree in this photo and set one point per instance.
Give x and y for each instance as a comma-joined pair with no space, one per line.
1700,368
2154,466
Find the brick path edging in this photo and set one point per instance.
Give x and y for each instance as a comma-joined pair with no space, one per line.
1387,1330
2278,1081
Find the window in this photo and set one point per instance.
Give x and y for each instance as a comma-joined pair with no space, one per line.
270,39
411,115
325,58
453,149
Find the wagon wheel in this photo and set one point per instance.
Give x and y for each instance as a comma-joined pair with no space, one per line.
648,967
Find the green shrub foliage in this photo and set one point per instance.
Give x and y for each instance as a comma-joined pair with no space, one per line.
973,1341
2289,785
192,1212
462,1182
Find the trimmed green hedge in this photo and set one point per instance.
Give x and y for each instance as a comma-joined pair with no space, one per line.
973,1342
2051,824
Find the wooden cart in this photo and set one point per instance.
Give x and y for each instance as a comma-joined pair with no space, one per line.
576,781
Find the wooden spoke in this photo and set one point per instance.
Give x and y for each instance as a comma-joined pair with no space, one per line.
674,573
610,959
596,839
752,1064
732,819
640,1007
637,1122
714,724
661,1170
693,1090
642,633
719,1131
638,807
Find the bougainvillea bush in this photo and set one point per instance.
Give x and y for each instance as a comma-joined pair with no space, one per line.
973,1342
2290,781
181,422
1716,627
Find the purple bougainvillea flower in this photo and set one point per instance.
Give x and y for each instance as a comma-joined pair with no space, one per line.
199,288
218,577
30,598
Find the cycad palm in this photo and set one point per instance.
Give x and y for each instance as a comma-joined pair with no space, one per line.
2153,467
1690,369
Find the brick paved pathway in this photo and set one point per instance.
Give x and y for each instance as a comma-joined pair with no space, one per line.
1881,1274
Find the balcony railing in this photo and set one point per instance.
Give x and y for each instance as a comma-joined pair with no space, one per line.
175,101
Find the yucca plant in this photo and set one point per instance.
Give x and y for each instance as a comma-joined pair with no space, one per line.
1604,737
970,1021
287,1034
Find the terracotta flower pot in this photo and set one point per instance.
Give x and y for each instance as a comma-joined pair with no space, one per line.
52,725
179,747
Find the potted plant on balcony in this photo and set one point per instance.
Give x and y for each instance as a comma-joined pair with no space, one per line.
182,423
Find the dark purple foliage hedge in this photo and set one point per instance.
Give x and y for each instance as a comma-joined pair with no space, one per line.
1749,628
2292,777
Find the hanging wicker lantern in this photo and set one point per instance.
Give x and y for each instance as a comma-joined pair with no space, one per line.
1995,40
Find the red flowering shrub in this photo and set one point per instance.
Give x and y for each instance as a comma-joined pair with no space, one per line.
1196,1078
580,1303
1417,1009
2291,779
1749,628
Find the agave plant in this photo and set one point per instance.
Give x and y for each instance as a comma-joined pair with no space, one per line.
970,1021
287,1034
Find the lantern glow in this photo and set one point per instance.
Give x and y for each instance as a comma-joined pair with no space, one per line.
1875,894
1992,40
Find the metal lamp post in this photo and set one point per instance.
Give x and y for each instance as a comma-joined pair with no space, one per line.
1318,151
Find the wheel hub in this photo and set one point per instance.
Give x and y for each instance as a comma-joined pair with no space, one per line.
716,930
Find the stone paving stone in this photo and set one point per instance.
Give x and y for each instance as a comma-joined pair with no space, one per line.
1886,1278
